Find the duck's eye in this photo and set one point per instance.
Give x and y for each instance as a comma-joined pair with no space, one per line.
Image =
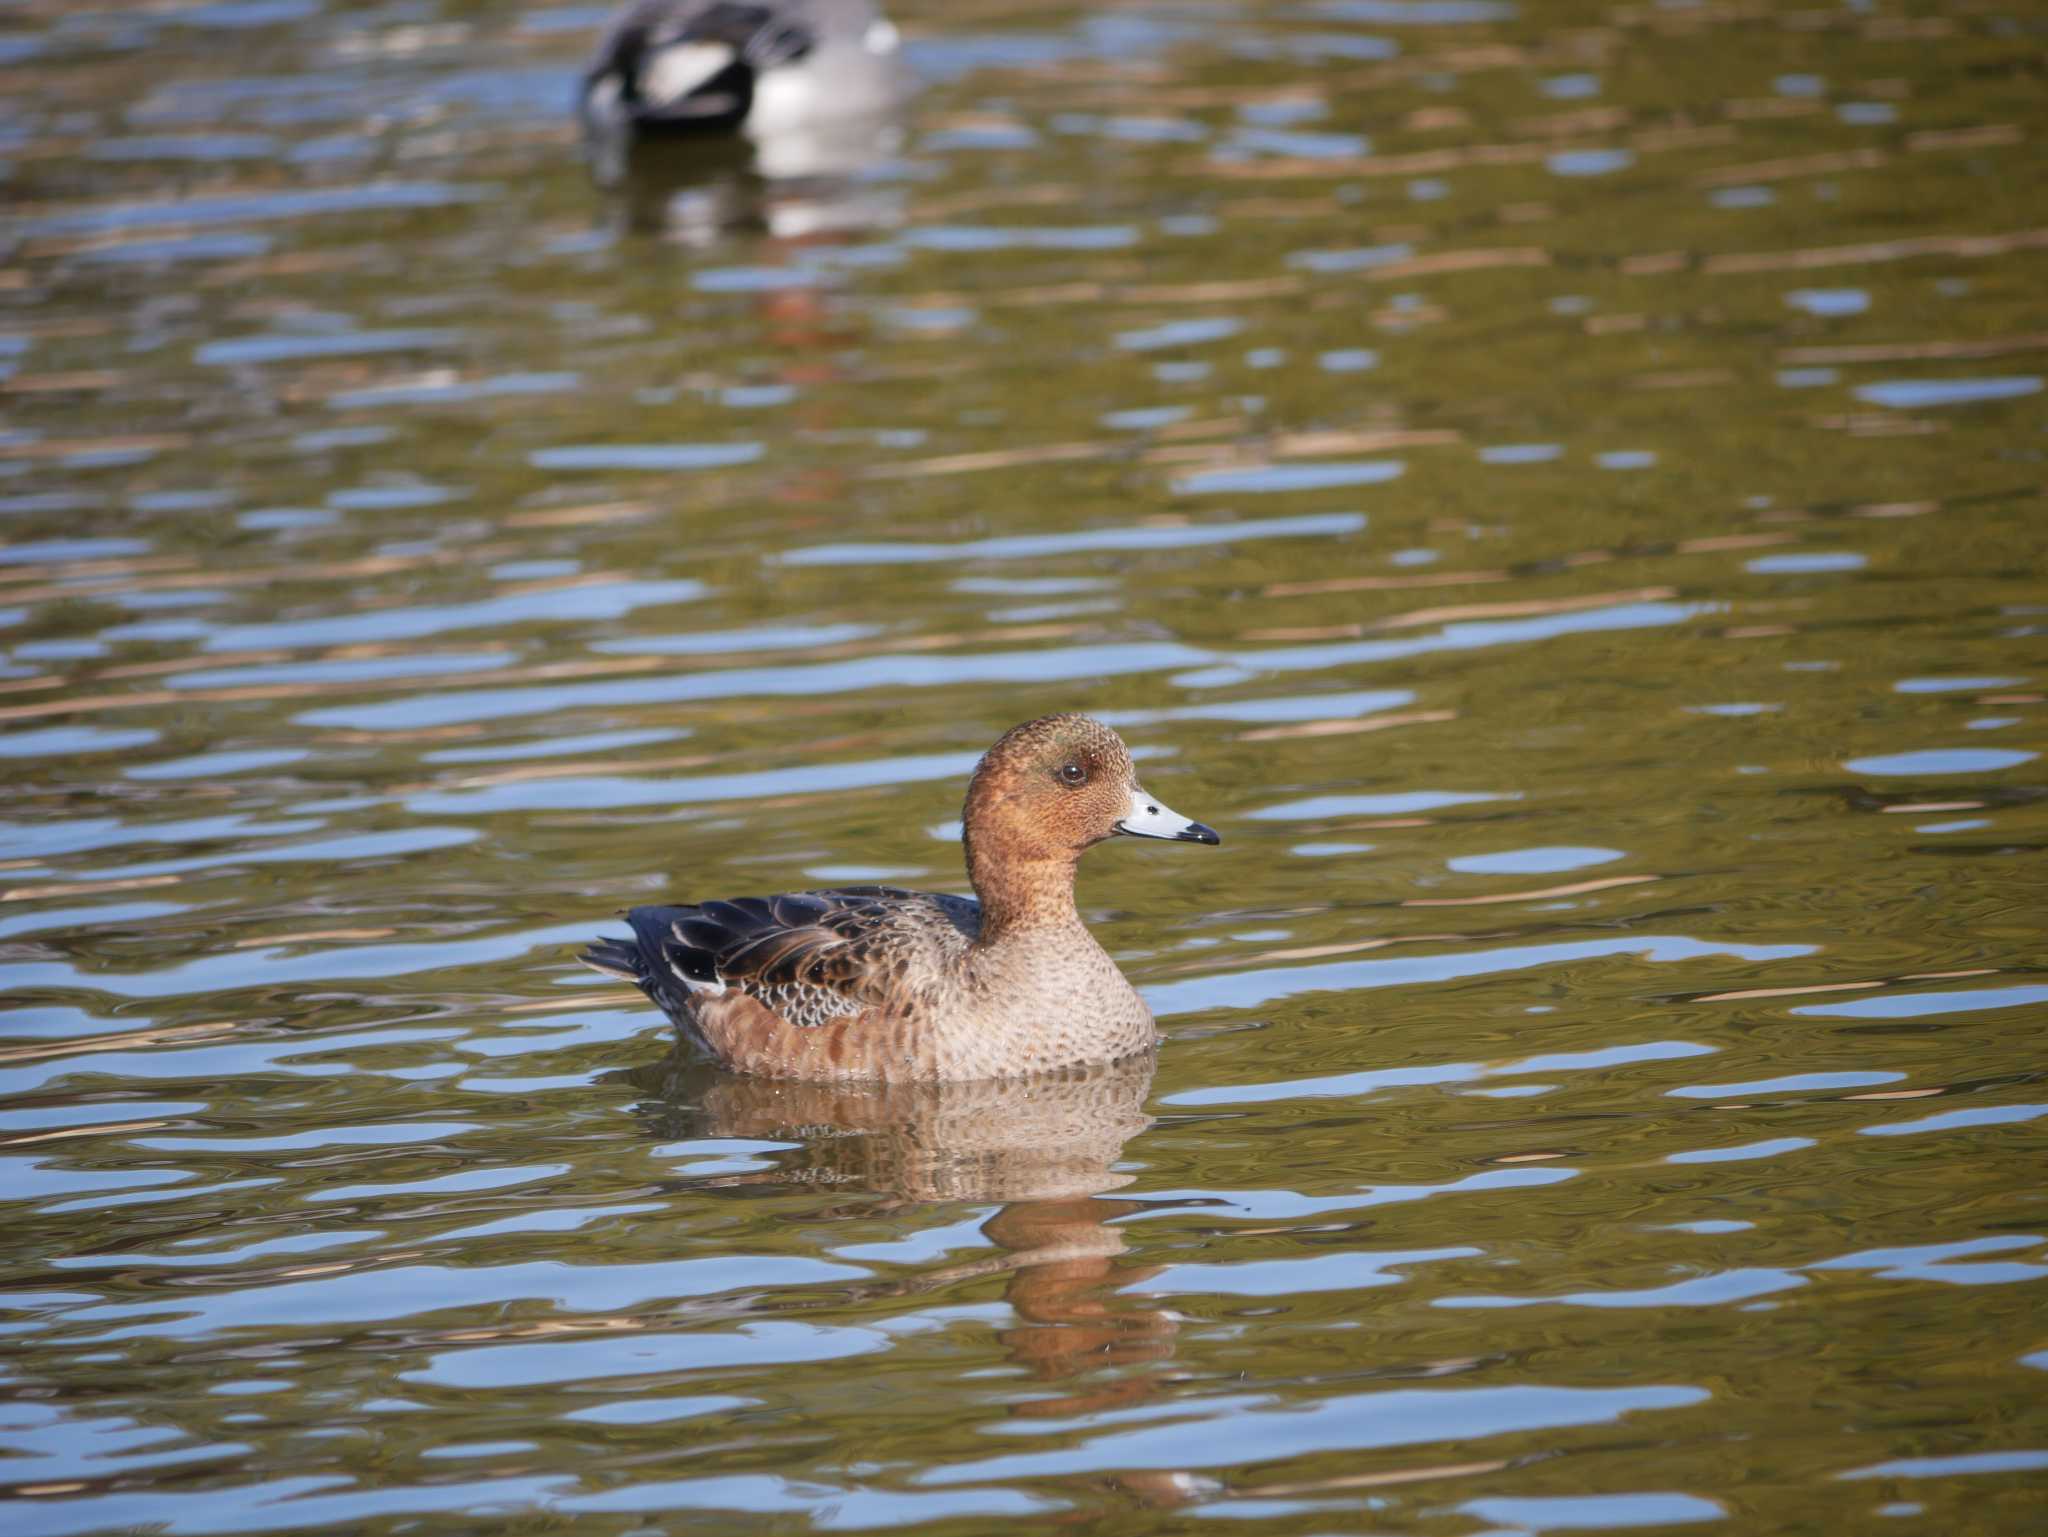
1073,774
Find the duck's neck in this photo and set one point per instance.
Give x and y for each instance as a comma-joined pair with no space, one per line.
1021,897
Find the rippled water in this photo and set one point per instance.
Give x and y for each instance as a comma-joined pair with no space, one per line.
1560,489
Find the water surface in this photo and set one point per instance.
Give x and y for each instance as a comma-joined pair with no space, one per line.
1558,487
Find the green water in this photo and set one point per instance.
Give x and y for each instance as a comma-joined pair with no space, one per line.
1558,489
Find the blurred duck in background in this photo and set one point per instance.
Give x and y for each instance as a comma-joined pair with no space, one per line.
683,91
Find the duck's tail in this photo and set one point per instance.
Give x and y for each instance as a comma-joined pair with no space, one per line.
638,960
619,958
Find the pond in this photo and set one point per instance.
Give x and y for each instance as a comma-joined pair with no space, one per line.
1558,487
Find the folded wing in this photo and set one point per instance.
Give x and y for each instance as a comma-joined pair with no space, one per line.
809,957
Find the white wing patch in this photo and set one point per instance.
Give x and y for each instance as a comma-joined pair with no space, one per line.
679,69
711,989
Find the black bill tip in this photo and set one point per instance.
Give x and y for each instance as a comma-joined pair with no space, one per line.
1196,832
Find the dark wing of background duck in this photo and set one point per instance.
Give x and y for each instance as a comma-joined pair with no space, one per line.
811,958
682,66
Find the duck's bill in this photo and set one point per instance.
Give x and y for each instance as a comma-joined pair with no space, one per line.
1148,819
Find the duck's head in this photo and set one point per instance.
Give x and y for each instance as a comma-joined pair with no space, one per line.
1053,787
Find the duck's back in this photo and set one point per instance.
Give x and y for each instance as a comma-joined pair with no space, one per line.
855,982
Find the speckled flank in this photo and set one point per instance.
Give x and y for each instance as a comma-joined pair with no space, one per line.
871,982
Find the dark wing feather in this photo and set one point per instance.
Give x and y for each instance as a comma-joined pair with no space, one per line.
640,960
808,955
757,34
798,909
817,938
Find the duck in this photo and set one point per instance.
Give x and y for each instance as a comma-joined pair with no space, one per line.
879,983
697,68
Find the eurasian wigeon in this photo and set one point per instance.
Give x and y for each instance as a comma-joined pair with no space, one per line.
872,982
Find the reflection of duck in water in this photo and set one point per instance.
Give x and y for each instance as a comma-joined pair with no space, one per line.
693,92
1045,1145
1050,1137
873,982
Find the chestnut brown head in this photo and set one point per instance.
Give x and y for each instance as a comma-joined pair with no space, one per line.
1053,787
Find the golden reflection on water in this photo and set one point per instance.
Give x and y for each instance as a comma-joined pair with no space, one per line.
1048,1138
1046,1148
